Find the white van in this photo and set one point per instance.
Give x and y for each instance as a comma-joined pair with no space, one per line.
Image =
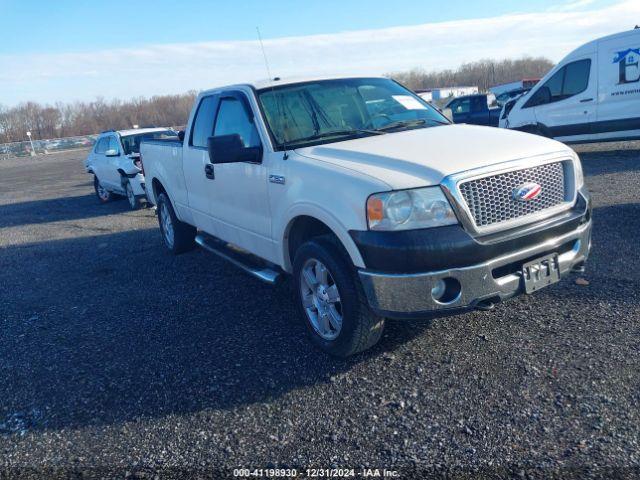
592,95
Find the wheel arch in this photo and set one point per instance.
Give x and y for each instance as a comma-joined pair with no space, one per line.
156,189
304,226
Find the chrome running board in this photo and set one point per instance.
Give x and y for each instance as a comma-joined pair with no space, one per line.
245,261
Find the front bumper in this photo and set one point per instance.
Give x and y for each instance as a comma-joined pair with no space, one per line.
408,295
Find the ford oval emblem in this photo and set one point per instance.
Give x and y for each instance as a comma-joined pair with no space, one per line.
527,192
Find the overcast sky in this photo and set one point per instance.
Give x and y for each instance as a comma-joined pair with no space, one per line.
48,56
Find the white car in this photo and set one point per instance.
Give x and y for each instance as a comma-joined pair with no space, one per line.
371,199
115,164
592,95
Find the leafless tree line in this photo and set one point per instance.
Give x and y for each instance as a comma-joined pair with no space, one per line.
84,118
483,73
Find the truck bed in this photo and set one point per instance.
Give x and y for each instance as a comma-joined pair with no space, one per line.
163,158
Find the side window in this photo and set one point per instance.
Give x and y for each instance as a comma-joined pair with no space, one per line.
113,144
576,78
101,146
570,80
478,104
554,84
232,119
203,123
463,106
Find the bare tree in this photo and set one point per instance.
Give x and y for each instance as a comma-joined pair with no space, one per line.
85,118
484,73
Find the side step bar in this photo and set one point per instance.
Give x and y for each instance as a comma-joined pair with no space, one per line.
240,260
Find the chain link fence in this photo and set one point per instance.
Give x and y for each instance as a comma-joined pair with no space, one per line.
43,147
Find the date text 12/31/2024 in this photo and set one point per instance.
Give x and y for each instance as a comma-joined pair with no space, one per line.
315,473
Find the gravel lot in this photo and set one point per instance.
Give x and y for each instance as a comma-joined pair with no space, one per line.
116,357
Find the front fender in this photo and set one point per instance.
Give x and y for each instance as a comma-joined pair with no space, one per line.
326,217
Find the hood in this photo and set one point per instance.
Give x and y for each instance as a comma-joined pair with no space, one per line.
423,157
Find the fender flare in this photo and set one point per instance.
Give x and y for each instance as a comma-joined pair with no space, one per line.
322,215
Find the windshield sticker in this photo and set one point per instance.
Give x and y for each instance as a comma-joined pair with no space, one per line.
408,102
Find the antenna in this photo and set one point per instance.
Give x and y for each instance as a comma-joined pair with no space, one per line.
264,54
273,90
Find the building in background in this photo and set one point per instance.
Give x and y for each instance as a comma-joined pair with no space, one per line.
445,93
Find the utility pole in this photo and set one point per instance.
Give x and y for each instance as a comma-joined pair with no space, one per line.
33,149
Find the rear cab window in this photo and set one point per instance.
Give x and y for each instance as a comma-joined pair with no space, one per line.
479,104
202,127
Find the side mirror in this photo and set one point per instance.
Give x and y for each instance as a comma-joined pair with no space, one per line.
448,113
181,135
231,149
112,152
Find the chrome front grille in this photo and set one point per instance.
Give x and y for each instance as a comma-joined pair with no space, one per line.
490,199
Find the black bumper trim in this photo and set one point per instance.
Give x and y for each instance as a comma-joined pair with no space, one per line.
432,249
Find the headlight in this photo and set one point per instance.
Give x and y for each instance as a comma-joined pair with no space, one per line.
409,209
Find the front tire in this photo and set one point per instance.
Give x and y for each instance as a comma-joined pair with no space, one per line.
331,300
134,202
102,193
179,237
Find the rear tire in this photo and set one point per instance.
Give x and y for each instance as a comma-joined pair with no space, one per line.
332,303
179,237
134,202
102,193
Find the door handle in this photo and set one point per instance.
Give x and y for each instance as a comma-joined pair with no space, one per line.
585,100
208,171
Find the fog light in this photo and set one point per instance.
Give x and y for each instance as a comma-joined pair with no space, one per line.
446,290
438,289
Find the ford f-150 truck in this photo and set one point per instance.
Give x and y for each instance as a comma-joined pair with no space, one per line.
375,204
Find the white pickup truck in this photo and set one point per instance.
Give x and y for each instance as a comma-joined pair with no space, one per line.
371,199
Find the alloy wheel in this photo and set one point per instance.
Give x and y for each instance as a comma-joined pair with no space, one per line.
167,225
321,299
103,193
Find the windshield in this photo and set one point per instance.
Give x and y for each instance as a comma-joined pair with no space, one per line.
326,111
131,143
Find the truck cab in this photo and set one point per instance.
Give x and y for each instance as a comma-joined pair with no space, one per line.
479,109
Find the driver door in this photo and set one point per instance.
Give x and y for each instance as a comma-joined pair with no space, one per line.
238,198
113,163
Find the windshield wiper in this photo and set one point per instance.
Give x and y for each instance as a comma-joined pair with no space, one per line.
409,124
336,133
